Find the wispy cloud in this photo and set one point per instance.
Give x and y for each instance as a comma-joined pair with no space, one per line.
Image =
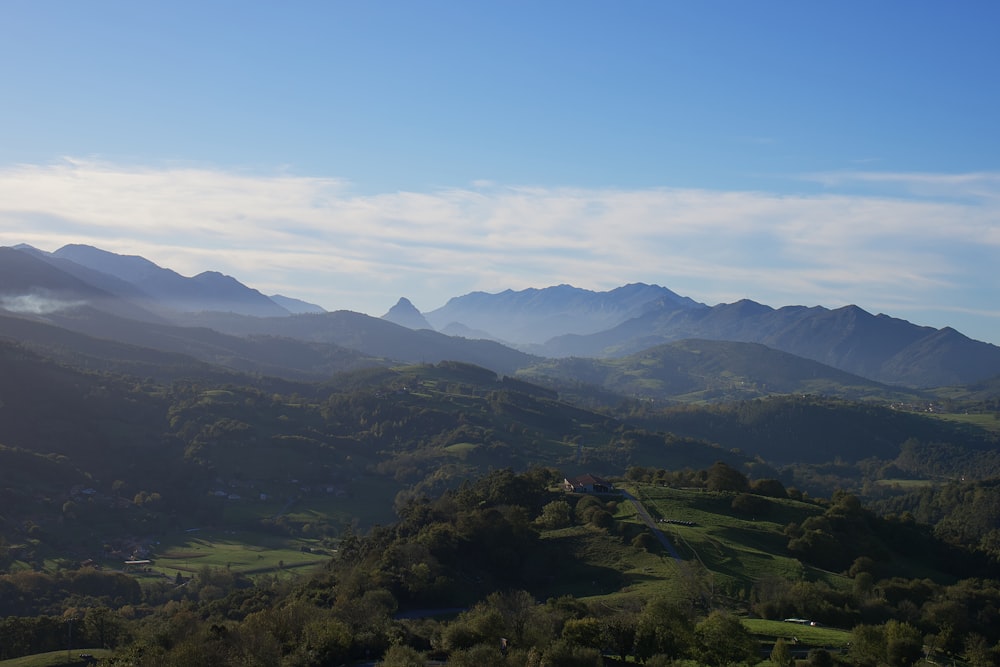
37,304
316,239
974,185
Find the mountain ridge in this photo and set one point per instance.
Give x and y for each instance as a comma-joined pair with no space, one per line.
209,290
485,328
878,347
532,316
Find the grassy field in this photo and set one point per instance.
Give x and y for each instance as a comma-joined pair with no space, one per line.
988,422
610,570
805,634
721,554
906,484
55,658
734,551
239,551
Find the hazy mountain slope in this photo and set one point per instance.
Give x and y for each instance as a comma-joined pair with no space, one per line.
296,306
372,336
101,354
943,357
103,281
879,347
535,315
615,323
808,429
50,408
459,329
708,370
32,285
988,389
265,355
209,290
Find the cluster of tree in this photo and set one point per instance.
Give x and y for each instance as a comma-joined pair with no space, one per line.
504,628
96,626
847,530
943,459
477,551
480,537
811,429
27,592
962,513
481,540
942,617
720,476
566,632
474,547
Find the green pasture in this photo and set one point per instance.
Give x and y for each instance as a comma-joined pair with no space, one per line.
244,552
906,484
808,635
609,569
55,658
605,568
731,551
986,421
460,448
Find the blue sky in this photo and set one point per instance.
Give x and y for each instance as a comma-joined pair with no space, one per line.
350,153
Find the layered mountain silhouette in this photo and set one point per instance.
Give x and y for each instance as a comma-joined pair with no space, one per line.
210,290
708,370
32,285
215,319
878,347
536,315
296,306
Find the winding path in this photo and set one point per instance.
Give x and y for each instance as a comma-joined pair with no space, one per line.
644,515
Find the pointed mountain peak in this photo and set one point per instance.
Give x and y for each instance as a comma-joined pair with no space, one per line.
404,304
405,314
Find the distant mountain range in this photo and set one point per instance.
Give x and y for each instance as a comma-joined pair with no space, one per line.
565,321
534,316
212,318
696,370
879,347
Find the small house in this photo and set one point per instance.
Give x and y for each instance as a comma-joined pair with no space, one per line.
588,484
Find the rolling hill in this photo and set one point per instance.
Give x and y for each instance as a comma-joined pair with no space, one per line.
709,370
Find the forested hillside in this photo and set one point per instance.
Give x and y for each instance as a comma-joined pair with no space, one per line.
195,515
563,579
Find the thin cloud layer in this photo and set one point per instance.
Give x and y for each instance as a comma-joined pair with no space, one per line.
37,304
930,248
